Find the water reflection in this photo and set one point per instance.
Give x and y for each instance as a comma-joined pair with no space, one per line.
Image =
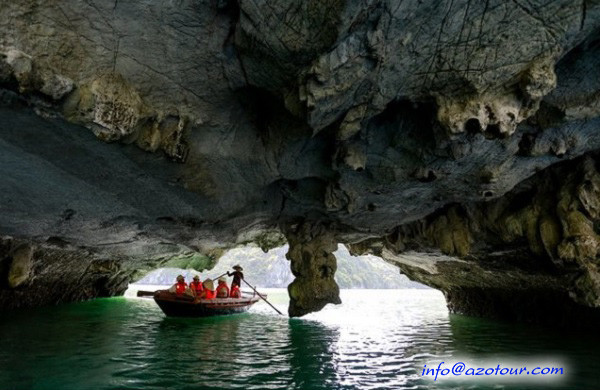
312,348
479,338
231,352
375,340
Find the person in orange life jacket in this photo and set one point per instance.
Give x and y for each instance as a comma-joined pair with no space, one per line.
222,289
237,275
208,290
196,286
181,287
235,291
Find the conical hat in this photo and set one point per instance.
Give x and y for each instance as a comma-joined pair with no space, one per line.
208,284
237,266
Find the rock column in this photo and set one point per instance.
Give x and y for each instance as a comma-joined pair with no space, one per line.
314,265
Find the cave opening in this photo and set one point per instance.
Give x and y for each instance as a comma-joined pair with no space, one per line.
272,272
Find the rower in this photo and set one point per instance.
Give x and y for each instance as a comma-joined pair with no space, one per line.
208,290
235,291
237,275
196,286
222,289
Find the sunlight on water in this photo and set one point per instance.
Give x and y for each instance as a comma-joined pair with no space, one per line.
377,339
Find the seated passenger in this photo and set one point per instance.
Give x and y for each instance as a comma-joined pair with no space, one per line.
222,289
208,290
180,287
196,286
235,291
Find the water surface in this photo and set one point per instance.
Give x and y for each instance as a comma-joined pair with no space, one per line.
377,339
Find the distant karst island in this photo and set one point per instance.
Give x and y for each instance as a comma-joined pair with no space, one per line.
272,270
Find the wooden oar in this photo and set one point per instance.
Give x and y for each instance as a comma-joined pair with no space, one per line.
217,278
263,298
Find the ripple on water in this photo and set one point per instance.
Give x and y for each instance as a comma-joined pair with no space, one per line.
375,340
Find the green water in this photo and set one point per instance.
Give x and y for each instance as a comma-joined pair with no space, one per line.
376,340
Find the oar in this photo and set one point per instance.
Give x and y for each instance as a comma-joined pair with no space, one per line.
217,278
263,298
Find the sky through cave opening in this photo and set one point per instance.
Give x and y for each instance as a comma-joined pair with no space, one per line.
272,270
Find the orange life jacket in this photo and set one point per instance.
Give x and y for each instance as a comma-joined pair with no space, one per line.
222,290
235,292
180,288
209,294
197,287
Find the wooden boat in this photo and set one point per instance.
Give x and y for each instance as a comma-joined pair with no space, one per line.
174,305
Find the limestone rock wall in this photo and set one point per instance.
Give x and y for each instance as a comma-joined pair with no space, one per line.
540,239
52,273
143,130
313,265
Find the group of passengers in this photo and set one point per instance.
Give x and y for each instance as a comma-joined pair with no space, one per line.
207,290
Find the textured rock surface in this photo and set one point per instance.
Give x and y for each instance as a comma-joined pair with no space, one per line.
375,119
54,273
537,245
20,266
313,265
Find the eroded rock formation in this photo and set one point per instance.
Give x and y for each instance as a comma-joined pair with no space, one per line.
533,249
134,132
313,265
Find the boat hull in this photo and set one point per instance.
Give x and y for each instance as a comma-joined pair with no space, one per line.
183,306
